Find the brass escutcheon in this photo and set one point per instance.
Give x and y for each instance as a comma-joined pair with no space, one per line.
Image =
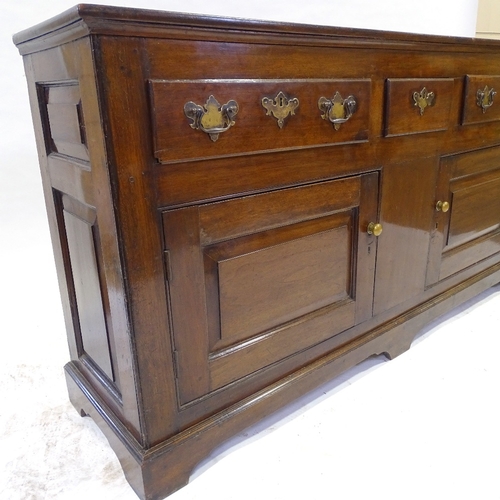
211,118
484,98
280,107
423,99
337,110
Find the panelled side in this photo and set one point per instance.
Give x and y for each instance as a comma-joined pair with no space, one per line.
78,196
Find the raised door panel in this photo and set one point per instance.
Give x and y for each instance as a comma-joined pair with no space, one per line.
468,229
257,279
476,208
90,301
300,256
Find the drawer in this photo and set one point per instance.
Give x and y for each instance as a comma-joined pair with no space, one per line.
480,99
195,119
414,106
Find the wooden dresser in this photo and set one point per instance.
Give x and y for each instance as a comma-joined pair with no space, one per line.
242,210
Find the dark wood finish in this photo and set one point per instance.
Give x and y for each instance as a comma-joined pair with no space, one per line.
404,117
208,283
401,267
254,130
470,230
82,239
90,186
474,113
248,275
65,125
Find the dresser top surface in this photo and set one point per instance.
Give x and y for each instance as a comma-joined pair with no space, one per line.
84,19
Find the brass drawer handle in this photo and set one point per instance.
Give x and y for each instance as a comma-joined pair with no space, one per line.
442,206
280,107
211,118
337,110
484,98
423,99
374,228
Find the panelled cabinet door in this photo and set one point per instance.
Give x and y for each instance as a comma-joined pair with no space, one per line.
257,279
467,213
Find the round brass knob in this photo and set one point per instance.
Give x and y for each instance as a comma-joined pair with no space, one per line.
375,229
442,206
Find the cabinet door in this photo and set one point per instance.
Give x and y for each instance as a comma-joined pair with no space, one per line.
467,213
256,279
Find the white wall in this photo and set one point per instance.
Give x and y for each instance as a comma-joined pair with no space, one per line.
488,19
446,17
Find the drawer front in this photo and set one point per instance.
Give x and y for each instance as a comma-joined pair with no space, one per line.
414,106
468,230
481,99
255,280
198,119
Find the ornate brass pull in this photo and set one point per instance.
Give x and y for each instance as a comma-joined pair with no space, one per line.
442,206
212,118
280,107
374,228
484,98
337,110
423,99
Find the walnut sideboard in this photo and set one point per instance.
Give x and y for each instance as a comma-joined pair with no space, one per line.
241,210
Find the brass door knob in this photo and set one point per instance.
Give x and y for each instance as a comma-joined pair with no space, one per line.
442,206
374,228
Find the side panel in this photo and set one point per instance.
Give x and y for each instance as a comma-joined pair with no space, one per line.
82,238
65,131
77,187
